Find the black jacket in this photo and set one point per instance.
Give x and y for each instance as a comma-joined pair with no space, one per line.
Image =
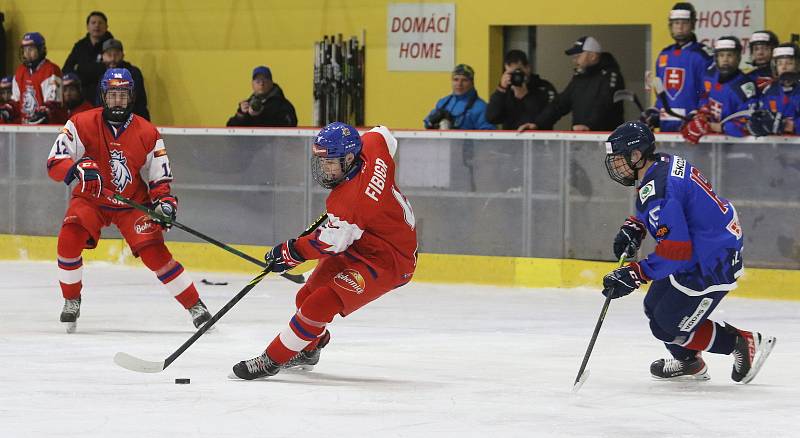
278,111
506,110
86,60
590,97
140,94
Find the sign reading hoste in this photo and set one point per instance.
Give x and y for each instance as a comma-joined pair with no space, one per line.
421,36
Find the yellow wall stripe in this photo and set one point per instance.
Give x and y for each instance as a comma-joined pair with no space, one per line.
774,284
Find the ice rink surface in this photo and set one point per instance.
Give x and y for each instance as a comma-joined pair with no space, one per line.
423,361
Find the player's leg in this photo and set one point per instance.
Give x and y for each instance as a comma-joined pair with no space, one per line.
176,280
306,326
74,236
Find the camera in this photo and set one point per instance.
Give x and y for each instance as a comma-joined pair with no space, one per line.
441,119
257,102
517,77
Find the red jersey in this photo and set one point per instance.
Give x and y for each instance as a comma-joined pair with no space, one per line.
368,217
132,159
37,88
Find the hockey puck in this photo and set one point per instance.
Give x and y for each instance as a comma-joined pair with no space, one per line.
214,283
182,381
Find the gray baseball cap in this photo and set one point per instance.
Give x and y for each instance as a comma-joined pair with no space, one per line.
584,44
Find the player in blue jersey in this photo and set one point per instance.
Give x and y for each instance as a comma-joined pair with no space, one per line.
761,45
730,96
779,105
696,262
680,68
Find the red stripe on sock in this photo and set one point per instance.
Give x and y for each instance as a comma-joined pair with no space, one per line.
188,297
702,337
71,291
278,352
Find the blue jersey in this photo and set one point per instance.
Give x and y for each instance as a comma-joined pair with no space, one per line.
762,76
467,110
697,232
680,69
785,101
736,94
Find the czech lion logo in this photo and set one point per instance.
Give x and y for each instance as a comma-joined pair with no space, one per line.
120,174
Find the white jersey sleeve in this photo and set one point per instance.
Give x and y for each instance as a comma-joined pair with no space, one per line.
51,89
67,145
391,141
156,168
338,235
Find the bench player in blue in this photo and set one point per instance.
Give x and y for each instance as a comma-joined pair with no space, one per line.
778,106
696,262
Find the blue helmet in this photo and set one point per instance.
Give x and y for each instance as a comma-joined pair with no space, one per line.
336,140
34,39
628,137
116,79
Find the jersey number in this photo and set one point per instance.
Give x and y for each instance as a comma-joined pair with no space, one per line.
61,147
408,214
167,172
701,181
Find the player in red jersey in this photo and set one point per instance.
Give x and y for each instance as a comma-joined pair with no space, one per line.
111,146
365,249
37,84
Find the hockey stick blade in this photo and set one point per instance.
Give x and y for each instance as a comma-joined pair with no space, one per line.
580,380
133,363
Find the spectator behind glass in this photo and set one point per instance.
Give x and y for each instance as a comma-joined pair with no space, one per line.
8,109
114,57
461,110
86,59
590,93
36,88
73,95
521,96
267,106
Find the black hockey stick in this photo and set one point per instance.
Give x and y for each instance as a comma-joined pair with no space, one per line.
628,95
296,278
583,372
133,363
656,84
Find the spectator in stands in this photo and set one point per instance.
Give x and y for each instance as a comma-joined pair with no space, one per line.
86,58
590,93
267,106
73,95
36,88
521,96
114,57
462,109
8,109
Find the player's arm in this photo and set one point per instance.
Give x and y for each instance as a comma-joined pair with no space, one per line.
746,97
673,242
158,174
65,152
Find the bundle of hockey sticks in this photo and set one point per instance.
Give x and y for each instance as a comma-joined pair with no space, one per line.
133,363
339,81
299,279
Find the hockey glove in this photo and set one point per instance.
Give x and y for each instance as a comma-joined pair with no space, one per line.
629,238
763,122
41,115
166,206
695,129
283,257
651,117
87,172
622,281
7,113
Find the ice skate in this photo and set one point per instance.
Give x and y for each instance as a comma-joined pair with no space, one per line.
200,314
680,370
306,359
70,314
255,368
749,354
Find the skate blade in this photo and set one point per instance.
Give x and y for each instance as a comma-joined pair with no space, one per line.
766,344
70,327
232,376
702,376
300,368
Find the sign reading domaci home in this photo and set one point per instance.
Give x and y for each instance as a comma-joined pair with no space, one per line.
421,36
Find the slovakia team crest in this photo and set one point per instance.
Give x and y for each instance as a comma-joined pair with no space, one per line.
674,79
120,174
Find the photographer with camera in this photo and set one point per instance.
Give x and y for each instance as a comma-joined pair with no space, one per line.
521,96
461,110
266,106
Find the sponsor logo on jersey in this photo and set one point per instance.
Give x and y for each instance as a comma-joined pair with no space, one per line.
773,106
144,225
749,89
688,322
350,280
707,86
678,166
674,79
716,108
120,174
647,191
378,180
662,232
662,60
